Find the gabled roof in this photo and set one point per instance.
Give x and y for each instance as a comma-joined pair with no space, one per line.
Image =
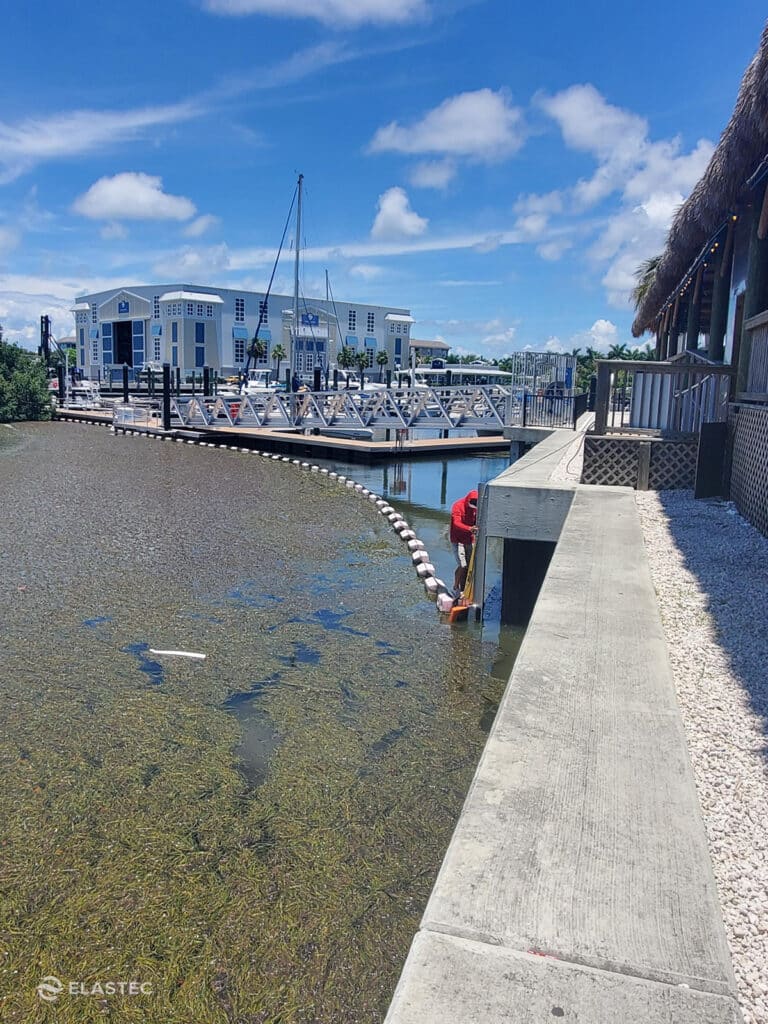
742,148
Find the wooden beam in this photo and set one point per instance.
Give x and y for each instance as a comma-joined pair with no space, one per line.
762,227
728,246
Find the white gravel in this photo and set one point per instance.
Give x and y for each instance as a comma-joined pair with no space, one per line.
710,571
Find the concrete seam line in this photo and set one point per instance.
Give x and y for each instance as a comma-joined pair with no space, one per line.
534,956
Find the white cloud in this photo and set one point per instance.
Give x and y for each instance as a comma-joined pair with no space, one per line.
480,125
200,225
601,336
132,196
432,174
395,218
366,271
650,179
189,264
330,12
113,230
34,140
553,344
553,250
9,239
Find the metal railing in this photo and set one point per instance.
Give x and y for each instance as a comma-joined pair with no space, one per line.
446,408
635,396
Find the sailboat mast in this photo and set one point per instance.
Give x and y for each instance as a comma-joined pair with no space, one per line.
296,268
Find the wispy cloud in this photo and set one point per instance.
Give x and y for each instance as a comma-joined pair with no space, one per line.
334,13
79,132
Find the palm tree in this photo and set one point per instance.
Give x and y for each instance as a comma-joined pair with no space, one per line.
361,360
645,276
346,359
257,348
381,359
278,355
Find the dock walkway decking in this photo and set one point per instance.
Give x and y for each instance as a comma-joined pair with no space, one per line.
578,884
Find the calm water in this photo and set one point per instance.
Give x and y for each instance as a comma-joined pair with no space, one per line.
254,835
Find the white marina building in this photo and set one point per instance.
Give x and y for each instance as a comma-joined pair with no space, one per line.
191,326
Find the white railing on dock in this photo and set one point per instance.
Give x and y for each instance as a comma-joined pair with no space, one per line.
440,408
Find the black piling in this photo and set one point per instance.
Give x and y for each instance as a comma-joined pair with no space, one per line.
166,396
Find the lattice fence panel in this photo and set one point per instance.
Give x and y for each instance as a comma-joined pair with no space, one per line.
749,468
673,465
613,462
610,461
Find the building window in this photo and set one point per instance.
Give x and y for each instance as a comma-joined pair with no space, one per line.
391,328
263,311
175,333
138,342
371,322
174,343
239,350
352,320
209,310
156,307
398,348
240,311
199,309
95,350
190,309
106,343
369,354
94,313
156,350
199,345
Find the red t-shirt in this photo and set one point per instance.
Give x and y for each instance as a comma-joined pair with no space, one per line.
463,518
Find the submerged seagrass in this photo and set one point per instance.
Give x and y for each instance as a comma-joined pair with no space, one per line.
254,835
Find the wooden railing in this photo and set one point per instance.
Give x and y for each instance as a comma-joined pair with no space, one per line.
639,397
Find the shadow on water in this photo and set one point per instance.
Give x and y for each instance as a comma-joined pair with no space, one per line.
151,668
259,738
729,559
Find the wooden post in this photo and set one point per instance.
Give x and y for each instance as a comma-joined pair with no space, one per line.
643,465
603,396
674,327
694,307
125,383
756,293
721,289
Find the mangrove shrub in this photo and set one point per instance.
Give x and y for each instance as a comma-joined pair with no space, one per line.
24,391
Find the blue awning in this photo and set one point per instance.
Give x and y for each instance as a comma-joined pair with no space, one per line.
370,343
93,333
157,330
351,340
240,333
265,334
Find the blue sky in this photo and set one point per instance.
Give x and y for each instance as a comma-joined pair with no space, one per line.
500,169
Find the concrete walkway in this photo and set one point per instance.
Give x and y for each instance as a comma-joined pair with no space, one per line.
578,885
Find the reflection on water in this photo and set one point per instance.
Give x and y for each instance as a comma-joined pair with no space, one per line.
256,833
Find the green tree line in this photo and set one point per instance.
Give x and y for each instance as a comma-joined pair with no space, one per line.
24,391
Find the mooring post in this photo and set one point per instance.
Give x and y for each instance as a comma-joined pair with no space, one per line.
335,379
62,384
166,396
125,383
317,383
178,382
206,381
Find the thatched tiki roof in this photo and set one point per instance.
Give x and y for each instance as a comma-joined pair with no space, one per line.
742,147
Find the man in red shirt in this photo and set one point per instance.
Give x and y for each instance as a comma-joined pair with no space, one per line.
463,531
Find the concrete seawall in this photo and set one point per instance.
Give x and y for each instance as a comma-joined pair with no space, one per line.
578,884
